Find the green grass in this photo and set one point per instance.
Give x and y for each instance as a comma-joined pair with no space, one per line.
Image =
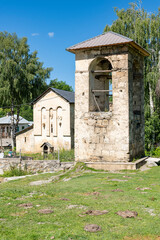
15,171
64,155
66,224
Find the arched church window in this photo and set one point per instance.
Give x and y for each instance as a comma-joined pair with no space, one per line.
51,119
43,120
59,122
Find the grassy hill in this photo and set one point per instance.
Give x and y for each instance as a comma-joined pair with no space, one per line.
68,198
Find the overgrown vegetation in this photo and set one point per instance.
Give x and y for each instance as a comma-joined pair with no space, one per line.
144,28
154,153
15,171
85,190
64,155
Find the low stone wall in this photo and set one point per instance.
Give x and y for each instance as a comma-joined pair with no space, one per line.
34,165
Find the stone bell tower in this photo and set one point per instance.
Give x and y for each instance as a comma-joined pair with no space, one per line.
109,101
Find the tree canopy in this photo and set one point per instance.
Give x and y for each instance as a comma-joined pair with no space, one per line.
60,85
22,75
144,28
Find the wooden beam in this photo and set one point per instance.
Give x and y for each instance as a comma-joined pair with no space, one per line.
101,91
96,103
102,71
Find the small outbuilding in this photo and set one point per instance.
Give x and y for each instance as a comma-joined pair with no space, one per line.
5,129
53,128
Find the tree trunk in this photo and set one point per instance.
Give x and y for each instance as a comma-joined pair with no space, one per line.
12,127
17,120
151,100
16,124
158,83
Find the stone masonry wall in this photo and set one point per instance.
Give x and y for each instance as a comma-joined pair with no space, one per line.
136,104
102,136
34,166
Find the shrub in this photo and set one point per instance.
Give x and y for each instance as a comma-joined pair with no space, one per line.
15,171
154,152
64,155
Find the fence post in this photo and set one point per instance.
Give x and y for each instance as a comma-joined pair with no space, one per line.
59,162
20,155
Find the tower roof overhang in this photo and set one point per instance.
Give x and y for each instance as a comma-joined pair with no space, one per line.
107,39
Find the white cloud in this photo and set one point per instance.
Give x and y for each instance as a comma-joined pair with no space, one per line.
35,34
51,34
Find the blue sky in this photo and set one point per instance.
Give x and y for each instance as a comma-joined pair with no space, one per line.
52,26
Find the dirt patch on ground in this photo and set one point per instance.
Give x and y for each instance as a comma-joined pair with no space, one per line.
76,206
117,190
40,182
127,214
45,211
91,194
93,213
92,228
142,189
64,199
26,205
126,176
150,211
117,180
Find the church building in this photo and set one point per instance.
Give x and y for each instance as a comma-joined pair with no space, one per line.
53,128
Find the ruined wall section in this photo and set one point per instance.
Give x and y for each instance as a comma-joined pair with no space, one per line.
102,136
136,103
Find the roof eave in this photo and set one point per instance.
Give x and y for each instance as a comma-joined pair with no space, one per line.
45,92
40,96
85,48
61,96
138,47
25,130
132,43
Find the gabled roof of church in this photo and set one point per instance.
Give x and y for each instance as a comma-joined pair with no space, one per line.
106,39
68,96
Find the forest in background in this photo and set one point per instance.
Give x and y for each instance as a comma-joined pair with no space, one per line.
144,28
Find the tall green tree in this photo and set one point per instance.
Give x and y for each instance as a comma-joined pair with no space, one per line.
144,28
22,75
60,85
